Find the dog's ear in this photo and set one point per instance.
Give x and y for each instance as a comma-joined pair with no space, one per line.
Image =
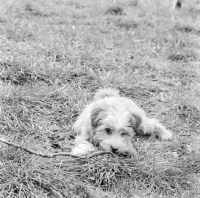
136,122
97,116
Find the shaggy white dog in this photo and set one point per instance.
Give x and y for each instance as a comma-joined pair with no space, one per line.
112,121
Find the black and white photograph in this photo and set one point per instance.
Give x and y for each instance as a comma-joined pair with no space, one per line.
99,98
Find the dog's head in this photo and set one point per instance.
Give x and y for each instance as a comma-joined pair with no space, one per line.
114,128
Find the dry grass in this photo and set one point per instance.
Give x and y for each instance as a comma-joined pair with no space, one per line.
55,54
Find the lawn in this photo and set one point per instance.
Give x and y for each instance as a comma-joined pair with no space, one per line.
55,54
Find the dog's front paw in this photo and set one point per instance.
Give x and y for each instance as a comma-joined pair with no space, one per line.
83,148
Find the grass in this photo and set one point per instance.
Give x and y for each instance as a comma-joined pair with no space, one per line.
54,55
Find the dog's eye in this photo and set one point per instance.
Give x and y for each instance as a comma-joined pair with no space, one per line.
108,131
124,134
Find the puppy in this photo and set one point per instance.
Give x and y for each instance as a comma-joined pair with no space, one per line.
112,121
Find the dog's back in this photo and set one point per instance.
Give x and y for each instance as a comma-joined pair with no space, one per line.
107,92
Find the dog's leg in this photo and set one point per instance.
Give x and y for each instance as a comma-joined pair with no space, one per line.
83,148
82,144
151,126
83,136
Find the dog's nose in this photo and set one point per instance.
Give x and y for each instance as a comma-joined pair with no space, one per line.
114,150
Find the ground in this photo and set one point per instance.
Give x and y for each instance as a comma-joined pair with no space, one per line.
55,54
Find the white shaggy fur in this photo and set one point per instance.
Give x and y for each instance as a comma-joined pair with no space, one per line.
83,148
112,121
